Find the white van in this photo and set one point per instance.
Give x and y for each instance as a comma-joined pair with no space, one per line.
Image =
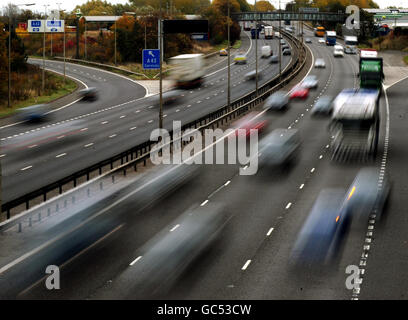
338,51
266,51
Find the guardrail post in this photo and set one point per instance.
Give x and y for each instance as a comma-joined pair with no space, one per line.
39,216
88,192
100,185
57,207
124,172
30,222
48,212
113,179
19,227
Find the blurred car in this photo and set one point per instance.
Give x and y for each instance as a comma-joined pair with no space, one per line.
170,97
169,254
338,51
319,63
308,40
285,46
251,75
287,52
90,93
368,194
277,101
279,147
323,106
320,237
223,52
321,40
299,92
282,41
274,59
310,82
252,120
240,58
33,113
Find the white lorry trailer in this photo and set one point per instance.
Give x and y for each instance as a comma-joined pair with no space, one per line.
189,70
268,32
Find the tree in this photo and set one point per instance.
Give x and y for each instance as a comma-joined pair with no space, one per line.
264,6
244,6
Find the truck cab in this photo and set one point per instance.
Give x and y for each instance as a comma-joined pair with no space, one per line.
355,124
350,44
331,38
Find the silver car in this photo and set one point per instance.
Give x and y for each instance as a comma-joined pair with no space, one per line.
319,63
310,82
276,101
308,40
323,106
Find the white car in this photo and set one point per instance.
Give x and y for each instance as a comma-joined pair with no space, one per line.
321,40
338,51
319,63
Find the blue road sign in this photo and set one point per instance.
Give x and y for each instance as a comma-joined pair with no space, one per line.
151,59
36,23
53,23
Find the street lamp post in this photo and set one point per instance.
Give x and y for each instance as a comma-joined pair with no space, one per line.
43,69
161,69
256,51
9,54
280,45
229,68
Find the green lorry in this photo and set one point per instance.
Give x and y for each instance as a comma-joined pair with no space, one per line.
371,70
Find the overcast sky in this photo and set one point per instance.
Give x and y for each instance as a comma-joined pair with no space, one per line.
70,5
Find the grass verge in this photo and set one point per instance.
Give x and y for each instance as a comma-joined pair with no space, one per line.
52,95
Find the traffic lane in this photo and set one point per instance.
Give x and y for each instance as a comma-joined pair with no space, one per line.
94,268
384,276
272,205
200,193
14,189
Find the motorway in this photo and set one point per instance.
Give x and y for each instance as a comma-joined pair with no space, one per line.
119,120
266,212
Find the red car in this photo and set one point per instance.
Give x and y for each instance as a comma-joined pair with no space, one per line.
251,121
299,92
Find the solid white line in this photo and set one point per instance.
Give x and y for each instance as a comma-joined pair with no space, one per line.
60,137
112,136
88,145
227,183
204,203
25,168
301,186
288,205
313,169
269,232
136,260
133,128
246,265
104,122
84,129
174,228
61,155
3,155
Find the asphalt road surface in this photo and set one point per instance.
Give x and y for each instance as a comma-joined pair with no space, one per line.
265,212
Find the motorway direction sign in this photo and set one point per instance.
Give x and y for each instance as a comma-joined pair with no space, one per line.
55,26
309,10
151,59
36,26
